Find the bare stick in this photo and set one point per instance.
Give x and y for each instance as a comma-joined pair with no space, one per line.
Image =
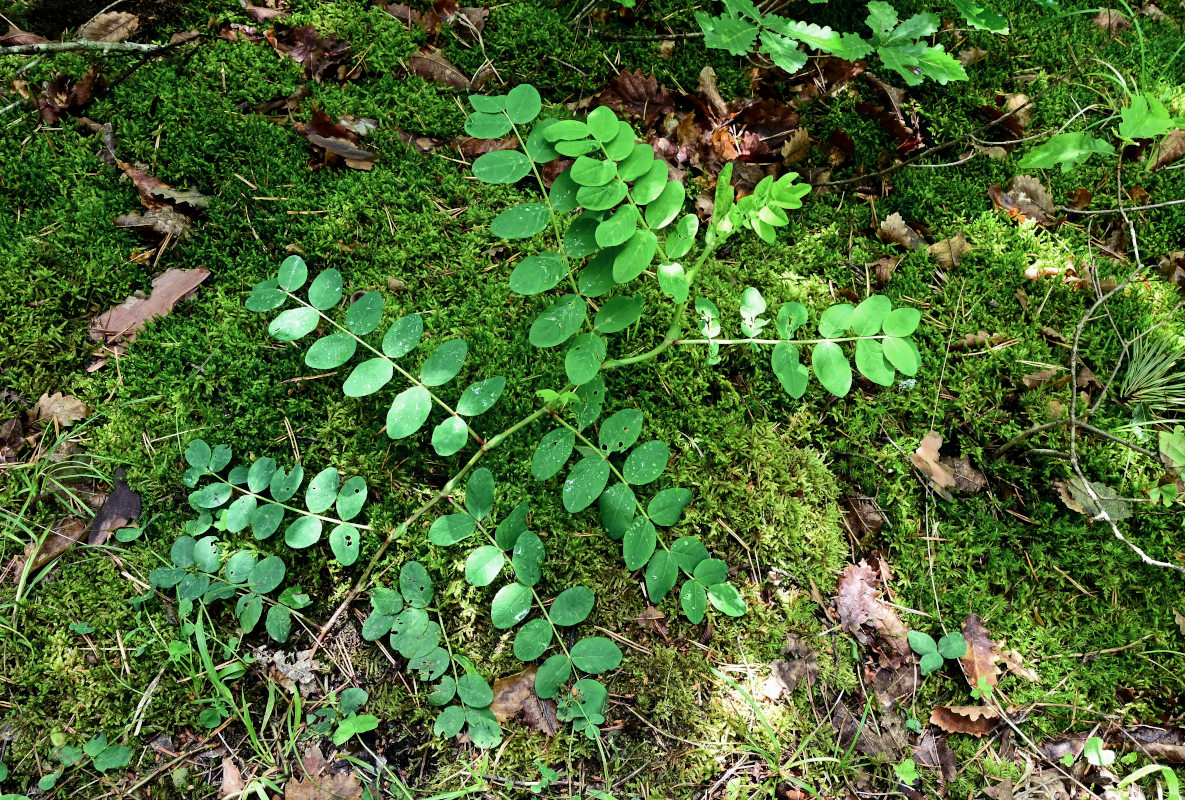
67,47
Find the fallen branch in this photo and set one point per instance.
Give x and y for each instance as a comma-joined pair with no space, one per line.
68,47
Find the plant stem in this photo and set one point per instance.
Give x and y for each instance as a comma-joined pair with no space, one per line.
300,511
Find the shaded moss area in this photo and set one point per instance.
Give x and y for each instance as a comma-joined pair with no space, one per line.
769,474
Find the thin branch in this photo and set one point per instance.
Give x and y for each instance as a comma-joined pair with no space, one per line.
1120,210
69,47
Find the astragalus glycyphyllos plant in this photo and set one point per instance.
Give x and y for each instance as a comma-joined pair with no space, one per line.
612,220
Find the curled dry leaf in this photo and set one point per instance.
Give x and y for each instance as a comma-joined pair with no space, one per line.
61,95
12,440
293,671
636,97
466,22
864,516
796,148
15,36
269,10
933,752
1172,148
885,267
801,662
1112,21
973,341
946,472
871,620
335,143
124,320
431,65
514,696
61,538
949,252
111,26
232,779
887,740
893,229
975,720
1044,376
323,58
1026,199
121,507
979,663
60,410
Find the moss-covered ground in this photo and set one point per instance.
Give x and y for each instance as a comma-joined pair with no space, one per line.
769,474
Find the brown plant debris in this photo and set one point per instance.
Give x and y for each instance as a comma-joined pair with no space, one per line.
12,440
111,26
933,752
863,517
801,663
123,321
16,37
334,143
514,697
1112,21
431,65
58,409
975,720
946,472
323,58
871,620
949,252
466,22
893,229
1172,148
982,653
314,780
62,95
121,507
269,10
61,538
1026,199
972,341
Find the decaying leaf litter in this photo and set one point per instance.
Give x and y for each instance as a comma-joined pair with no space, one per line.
696,132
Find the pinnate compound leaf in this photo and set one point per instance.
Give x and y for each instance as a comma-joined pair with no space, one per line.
538,273
479,493
554,450
415,585
481,125
283,486
444,363
666,507
267,575
619,432
585,483
661,575
646,462
365,314
870,361
330,352
901,321
867,317
789,370
326,290
408,412
595,655
523,104
403,336
902,354
638,543
726,598
583,360
351,497
501,166
521,222
557,324
450,436
831,368
451,528
510,606
480,397
368,377
527,558
618,314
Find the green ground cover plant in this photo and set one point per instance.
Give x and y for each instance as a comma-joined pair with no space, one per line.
564,424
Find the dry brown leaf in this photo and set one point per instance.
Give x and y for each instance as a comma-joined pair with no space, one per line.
887,740
637,97
864,516
295,670
164,222
871,620
653,619
1112,21
786,673
933,752
334,786
124,320
893,685
112,26
1080,198
946,472
269,11
232,779
949,252
1041,377
323,58
57,409
1180,620
980,339
12,434
61,95
514,696
156,194
796,148
429,64
972,55
61,538
975,720
1172,148
15,36
121,507
982,653
335,143
1019,103
1025,199
885,267
893,229
1015,664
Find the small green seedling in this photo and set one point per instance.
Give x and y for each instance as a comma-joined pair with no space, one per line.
353,725
982,689
907,771
933,654
1165,495
1097,754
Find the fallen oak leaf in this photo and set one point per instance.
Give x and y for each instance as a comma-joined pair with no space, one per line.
979,663
1172,148
933,752
323,58
975,720
155,194
949,252
871,620
893,229
124,320
514,696
112,26
58,409
946,472
1026,199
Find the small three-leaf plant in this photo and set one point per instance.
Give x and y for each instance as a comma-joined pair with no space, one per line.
934,654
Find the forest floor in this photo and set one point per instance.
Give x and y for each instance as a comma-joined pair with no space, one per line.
817,503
